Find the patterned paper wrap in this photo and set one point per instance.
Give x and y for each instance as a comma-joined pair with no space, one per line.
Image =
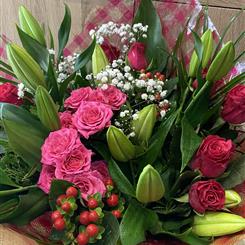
174,17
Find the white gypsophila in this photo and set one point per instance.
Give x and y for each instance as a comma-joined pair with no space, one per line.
162,113
122,114
151,97
104,79
20,92
144,96
127,86
127,68
132,134
51,51
135,116
89,77
163,93
104,87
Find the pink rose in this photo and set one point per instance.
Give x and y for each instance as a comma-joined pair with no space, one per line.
46,176
102,168
136,56
213,156
89,183
111,51
92,117
97,95
59,145
115,97
66,119
234,105
8,94
77,161
77,96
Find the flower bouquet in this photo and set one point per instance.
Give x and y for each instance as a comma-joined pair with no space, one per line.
124,142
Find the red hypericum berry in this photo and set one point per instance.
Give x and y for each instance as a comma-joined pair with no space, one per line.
71,192
66,206
84,218
112,201
59,224
157,74
142,71
92,230
93,216
162,77
116,213
109,182
55,215
82,238
60,199
148,75
92,203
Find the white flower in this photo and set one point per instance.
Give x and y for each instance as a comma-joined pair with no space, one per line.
151,97
99,76
104,87
135,116
149,89
104,79
144,96
127,69
144,36
163,93
114,81
162,113
51,51
131,78
132,134
118,124
120,76
122,114
91,32
89,77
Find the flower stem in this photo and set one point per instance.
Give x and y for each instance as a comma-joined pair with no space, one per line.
17,190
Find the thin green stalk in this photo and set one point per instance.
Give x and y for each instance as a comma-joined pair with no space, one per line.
6,65
7,71
132,172
17,190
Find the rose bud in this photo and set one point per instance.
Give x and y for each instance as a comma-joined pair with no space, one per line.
150,187
112,52
136,56
217,224
8,94
213,156
144,124
99,60
25,67
206,195
119,145
47,110
30,25
232,199
233,110
222,63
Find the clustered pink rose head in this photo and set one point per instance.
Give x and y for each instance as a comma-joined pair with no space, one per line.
76,97
8,94
66,119
92,117
115,97
213,156
234,105
207,195
89,183
136,56
97,95
111,52
46,176
102,168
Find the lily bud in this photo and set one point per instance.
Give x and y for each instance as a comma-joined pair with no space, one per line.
208,43
30,25
145,123
217,224
232,199
222,63
25,67
46,109
119,145
99,60
193,65
150,187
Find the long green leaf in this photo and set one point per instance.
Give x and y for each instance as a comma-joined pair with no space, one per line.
7,71
64,31
5,65
25,133
5,180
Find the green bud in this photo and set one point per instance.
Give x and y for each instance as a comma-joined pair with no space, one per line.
119,145
217,224
193,65
222,63
25,67
99,60
208,43
150,187
46,109
232,199
145,123
30,25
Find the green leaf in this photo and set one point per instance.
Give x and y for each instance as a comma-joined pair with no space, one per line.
190,141
37,51
85,57
198,46
170,85
7,207
58,187
64,31
236,173
25,133
147,15
157,143
5,180
64,85
120,179
136,221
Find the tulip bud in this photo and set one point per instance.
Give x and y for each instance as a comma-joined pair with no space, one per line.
232,199
30,25
145,123
46,109
222,63
25,67
217,224
208,43
119,145
99,60
150,187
